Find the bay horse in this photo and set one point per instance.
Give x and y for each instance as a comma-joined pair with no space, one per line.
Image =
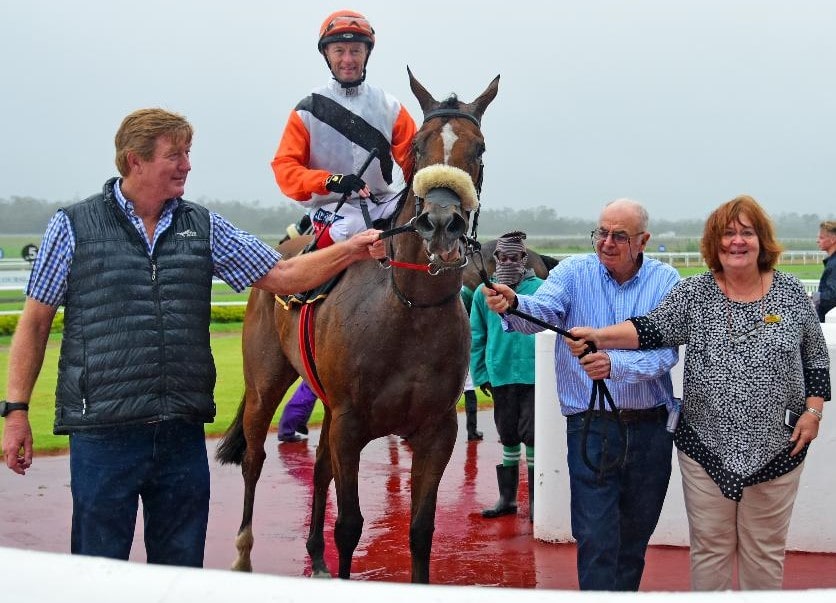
392,346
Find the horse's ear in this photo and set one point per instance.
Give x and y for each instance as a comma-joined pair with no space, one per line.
481,103
425,99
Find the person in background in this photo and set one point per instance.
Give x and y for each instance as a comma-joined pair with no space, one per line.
756,379
471,404
293,424
502,364
331,132
471,407
613,511
133,268
827,284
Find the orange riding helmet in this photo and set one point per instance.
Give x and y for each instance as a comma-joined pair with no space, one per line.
345,26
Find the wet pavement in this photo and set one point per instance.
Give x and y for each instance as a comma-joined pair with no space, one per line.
467,549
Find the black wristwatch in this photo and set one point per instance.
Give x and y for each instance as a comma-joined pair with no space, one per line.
7,407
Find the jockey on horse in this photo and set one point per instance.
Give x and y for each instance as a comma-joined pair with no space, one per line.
331,132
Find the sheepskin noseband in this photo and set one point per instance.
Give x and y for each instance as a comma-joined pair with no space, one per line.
441,176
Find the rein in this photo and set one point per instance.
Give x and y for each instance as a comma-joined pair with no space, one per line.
600,395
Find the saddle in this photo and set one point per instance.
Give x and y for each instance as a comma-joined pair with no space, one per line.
316,294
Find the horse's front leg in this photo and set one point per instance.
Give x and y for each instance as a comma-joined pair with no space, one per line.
431,451
322,480
345,463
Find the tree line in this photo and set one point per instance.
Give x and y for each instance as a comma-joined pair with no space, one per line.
26,215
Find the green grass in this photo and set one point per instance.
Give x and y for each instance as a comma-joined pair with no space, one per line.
802,271
12,245
226,347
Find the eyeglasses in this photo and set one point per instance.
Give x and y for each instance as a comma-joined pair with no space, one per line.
619,237
513,258
750,333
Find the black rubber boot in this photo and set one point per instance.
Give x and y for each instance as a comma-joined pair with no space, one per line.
470,407
508,479
531,494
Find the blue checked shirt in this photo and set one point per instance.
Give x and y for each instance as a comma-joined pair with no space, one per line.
238,257
580,292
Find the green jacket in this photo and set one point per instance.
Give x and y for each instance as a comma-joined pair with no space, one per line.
496,356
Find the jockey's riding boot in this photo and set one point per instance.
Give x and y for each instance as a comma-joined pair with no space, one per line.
531,494
470,406
508,479
303,226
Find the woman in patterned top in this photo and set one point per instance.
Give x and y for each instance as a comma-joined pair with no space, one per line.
755,350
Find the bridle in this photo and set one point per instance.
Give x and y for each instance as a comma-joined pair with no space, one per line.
433,268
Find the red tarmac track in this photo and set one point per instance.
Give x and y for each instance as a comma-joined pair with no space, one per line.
467,549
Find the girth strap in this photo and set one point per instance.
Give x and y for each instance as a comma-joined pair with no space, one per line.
308,350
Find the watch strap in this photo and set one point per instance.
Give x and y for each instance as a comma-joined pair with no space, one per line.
7,407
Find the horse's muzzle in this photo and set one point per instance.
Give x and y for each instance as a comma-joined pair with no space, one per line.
441,222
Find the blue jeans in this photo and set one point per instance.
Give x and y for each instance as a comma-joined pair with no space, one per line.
614,513
165,464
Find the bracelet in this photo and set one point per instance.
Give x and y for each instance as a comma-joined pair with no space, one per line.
814,412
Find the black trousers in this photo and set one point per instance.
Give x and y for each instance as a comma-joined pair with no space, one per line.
513,413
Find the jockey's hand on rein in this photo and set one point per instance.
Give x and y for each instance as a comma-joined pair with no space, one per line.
344,183
487,389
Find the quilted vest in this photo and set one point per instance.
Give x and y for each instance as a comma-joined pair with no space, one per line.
135,347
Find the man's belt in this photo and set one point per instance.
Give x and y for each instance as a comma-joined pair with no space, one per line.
632,415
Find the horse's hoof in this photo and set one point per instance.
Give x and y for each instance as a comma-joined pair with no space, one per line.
321,574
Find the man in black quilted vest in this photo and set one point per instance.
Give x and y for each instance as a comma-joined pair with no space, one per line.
133,268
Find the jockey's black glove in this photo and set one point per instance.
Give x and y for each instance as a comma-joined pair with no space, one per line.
487,389
344,183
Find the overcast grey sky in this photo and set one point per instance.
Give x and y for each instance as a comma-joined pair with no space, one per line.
679,104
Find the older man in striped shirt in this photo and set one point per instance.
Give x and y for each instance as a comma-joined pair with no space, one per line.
615,500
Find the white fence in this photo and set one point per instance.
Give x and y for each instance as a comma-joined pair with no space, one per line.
36,576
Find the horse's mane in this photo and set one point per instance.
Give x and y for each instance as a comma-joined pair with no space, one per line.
451,102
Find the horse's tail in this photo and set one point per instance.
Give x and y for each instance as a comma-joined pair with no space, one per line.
233,444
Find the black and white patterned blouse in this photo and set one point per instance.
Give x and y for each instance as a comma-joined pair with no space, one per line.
745,364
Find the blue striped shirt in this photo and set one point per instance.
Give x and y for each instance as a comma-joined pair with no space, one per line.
238,258
580,292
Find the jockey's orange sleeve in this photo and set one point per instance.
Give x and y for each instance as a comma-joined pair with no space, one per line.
402,134
289,165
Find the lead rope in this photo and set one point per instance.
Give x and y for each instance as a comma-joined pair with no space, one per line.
600,395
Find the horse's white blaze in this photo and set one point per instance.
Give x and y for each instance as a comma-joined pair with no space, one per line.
449,138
